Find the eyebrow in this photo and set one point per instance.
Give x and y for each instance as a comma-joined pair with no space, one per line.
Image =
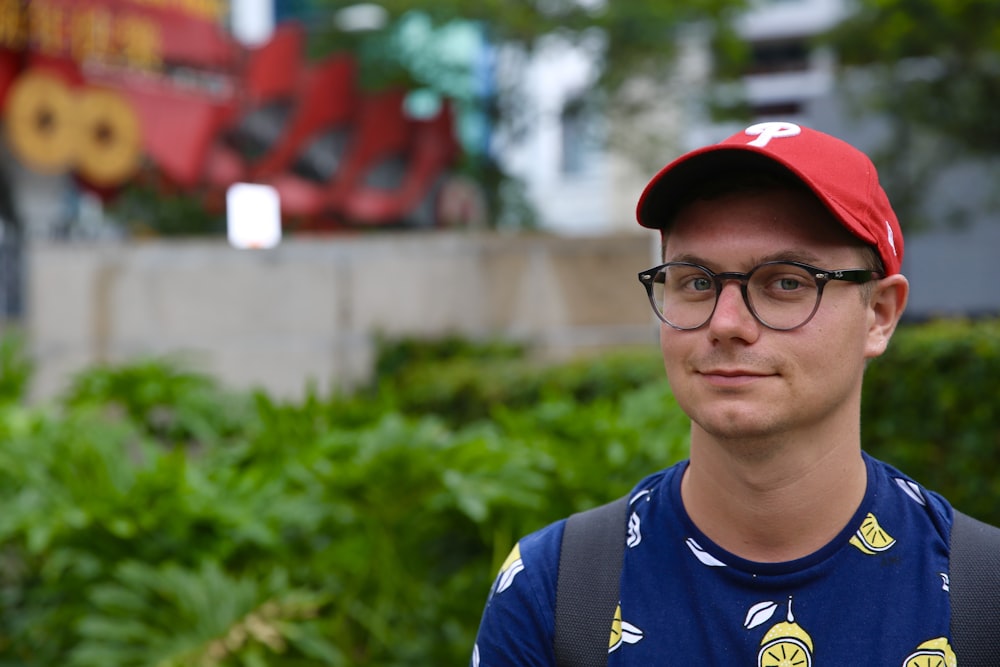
803,256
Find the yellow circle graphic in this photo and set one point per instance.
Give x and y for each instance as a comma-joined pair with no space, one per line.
935,652
41,126
785,652
110,145
925,659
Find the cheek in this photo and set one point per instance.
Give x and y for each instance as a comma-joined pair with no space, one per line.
668,344
838,348
842,325
667,348
674,352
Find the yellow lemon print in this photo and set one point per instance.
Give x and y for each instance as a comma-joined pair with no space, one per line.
622,631
512,557
786,644
510,569
616,630
871,538
932,653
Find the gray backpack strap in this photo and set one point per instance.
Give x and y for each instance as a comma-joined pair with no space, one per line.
974,585
590,564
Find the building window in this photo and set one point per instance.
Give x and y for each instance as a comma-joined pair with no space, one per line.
776,56
579,138
776,109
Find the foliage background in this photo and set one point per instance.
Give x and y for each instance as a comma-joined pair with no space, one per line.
151,517
927,70
930,69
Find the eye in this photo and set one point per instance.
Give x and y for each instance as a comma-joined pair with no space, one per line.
688,282
700,283
788,284
782,281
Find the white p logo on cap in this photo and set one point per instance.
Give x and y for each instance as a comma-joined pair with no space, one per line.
773,130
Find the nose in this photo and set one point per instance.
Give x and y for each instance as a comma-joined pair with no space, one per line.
732,317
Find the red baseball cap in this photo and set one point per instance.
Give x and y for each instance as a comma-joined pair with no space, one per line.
841,176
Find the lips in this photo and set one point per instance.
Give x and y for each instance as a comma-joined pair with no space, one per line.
732,372
732,377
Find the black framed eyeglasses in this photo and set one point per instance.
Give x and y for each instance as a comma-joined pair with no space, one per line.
780,295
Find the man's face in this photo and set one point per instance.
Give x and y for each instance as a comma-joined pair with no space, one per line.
736,378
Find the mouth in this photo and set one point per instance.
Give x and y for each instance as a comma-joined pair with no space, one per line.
732,377
731,372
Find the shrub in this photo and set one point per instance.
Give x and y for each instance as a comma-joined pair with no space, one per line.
15,367
152,517
931,408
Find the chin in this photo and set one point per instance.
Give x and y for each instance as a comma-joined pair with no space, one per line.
745,423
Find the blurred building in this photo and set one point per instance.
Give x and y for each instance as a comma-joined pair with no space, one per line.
576,179
583,186
580,185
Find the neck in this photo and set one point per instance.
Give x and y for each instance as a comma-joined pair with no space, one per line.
777,502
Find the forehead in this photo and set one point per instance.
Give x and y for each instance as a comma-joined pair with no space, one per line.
772,221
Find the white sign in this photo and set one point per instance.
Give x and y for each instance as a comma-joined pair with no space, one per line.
253,216
252,21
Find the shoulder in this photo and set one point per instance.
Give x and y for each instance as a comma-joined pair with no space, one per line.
518,622
531,568
921,503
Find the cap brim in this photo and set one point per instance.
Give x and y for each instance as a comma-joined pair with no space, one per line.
672,187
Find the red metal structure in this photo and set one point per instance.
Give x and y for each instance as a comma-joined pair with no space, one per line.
113,90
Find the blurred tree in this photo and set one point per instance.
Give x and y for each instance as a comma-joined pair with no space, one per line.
632,48
931,69
476,53
941,59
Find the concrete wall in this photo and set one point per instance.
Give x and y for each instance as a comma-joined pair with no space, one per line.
309,310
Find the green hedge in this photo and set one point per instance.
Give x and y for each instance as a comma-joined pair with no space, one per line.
153,518
932,407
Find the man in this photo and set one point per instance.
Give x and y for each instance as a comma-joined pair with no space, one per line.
778,542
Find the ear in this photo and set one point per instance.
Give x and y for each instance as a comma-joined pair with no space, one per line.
888,300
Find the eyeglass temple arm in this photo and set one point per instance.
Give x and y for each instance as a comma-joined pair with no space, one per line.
859,276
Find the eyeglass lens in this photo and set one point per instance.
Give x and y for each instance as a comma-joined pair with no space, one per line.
780,295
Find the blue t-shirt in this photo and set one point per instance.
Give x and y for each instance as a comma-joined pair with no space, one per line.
875,595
